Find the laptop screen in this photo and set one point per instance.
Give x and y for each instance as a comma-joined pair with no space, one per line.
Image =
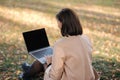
36,39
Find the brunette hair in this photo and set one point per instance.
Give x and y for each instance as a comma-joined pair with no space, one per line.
70,22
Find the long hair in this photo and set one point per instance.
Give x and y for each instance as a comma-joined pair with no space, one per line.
70,22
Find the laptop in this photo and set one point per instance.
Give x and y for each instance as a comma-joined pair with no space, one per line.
37,44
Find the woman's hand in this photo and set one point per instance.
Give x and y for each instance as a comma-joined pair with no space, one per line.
48,59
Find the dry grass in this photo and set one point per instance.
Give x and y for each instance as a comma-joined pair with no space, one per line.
100,22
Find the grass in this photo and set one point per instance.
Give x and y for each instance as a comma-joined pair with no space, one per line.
100,21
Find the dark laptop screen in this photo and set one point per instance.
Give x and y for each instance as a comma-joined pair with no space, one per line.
36,39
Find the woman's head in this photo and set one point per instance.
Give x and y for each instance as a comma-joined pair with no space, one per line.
69,23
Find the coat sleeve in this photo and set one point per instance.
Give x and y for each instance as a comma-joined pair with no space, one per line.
57,67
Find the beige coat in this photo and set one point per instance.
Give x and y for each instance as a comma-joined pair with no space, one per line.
71,60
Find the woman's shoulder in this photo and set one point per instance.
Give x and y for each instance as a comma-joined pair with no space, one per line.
62,42
59,41
84,36
86,39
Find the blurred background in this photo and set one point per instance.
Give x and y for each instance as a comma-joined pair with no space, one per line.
100,20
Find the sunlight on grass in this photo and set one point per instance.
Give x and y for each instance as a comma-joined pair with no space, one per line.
95,8
105,44
28,17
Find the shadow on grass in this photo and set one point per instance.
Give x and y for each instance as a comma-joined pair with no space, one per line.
99,18
33,5
109,68
101,22
9,61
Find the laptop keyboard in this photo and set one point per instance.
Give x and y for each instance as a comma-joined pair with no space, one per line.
42,53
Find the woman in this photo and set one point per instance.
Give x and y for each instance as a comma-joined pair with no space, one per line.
72,53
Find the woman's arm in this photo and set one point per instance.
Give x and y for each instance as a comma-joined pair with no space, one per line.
57,66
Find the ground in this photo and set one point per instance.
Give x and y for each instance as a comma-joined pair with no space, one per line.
100,20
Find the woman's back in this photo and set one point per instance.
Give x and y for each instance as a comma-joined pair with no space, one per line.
77,52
